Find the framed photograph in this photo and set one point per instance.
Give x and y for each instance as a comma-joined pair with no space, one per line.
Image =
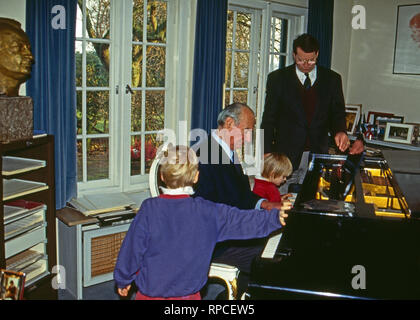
352,119
11,285
371,116
407,40
381,121
415,139
399,132
356,107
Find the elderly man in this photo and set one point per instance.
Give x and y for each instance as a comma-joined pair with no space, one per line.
15,57
304,102
222,180
221,175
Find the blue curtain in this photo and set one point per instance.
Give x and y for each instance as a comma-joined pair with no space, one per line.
320,25
52,85
209,63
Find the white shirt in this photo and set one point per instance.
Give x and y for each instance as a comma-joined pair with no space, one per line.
177,191
302,76
223,144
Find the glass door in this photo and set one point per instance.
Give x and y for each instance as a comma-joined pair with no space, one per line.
147,83
121,49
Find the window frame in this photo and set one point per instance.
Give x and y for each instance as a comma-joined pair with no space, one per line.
85,184
178,92
299,16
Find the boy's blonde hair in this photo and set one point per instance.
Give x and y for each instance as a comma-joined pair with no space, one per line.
276,165
178,167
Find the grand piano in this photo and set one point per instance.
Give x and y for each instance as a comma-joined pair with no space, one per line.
350,235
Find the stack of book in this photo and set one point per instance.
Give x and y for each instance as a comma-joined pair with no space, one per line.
25,239
101,204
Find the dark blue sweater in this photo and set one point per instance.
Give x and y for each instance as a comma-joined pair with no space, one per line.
171,241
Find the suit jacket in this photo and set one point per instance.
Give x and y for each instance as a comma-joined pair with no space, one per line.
284,121
222,181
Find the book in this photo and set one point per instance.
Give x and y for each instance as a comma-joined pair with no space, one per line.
137,198
11,212
35,270
26,204
100,203
23,225
24,259
19,209
13,188
15,165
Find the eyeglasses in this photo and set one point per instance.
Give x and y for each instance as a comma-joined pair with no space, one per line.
303,61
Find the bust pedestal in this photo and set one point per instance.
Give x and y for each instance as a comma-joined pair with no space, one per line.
16,118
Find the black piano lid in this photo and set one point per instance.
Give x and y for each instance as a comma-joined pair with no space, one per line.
322,249
340,186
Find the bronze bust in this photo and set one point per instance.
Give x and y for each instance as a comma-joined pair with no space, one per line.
15,57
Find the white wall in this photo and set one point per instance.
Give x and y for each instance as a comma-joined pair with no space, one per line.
342,33
15,10
369,77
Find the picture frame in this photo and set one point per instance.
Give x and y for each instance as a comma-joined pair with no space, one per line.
415,139
407,40
381,121
372,114
353,113
12,284
399,132
356,107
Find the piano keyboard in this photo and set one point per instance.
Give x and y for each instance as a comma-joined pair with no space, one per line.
271,246
273,242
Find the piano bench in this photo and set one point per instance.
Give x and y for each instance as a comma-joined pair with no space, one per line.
228,274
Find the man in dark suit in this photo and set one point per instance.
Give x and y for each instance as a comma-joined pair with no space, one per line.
221,179
304,102
221,176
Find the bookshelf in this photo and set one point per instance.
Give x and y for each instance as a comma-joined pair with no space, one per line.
27,213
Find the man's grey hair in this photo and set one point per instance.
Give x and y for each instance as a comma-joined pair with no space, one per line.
233,111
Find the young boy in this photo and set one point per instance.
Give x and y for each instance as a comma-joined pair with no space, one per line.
168,248
277,167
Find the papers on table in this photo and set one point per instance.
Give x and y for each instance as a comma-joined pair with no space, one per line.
100,203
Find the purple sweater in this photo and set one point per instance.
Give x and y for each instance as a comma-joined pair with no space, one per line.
171,240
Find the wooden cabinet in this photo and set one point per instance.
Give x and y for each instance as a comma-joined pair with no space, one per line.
27,213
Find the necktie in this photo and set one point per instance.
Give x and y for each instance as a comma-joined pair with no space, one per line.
307,84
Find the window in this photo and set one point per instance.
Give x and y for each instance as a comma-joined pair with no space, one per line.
238,55
93,89
122,50
259,40
148,60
